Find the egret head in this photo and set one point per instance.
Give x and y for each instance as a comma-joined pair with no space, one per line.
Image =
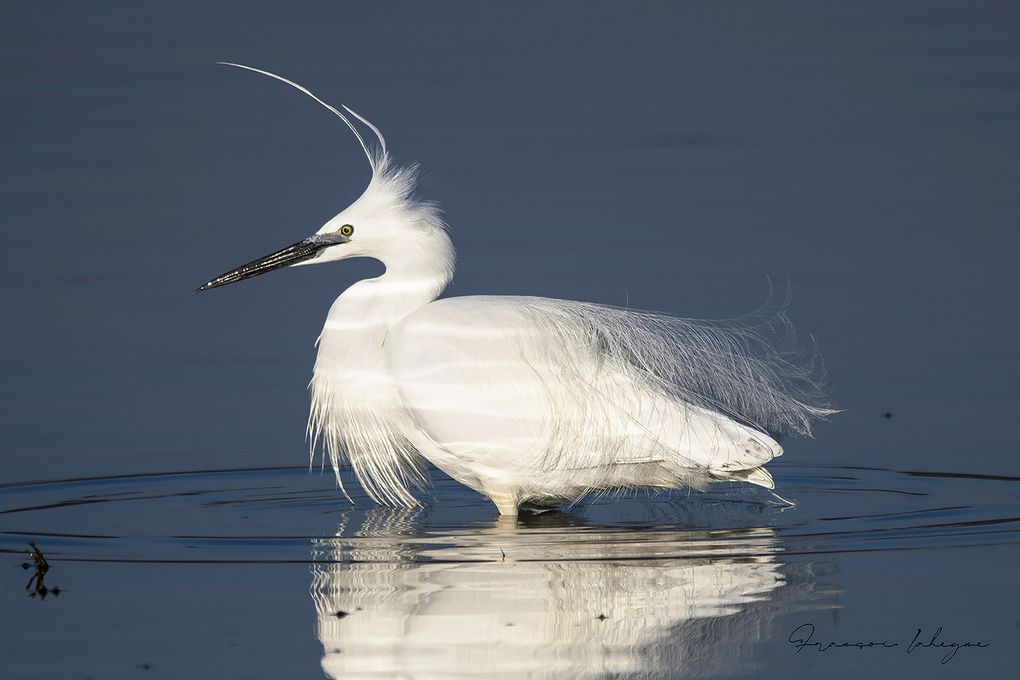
387,222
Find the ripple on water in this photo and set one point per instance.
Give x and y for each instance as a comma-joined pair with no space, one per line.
642,583
288,514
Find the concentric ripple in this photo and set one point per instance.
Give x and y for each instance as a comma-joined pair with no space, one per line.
294,515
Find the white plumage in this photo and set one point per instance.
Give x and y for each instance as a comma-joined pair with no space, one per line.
527,400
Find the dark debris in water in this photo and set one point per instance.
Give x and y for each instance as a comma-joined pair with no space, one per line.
37,582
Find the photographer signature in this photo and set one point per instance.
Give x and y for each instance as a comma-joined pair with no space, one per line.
803,636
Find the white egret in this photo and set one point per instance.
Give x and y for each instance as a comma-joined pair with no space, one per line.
528,400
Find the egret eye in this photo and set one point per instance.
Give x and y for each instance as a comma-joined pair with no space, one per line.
346,230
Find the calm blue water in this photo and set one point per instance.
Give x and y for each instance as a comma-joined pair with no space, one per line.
664,157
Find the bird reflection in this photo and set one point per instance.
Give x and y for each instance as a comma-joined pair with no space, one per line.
546,597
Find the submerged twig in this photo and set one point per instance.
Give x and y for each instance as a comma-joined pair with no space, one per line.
37,582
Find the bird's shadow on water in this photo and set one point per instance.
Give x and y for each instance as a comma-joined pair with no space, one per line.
538,594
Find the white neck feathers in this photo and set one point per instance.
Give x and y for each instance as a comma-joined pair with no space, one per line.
357,415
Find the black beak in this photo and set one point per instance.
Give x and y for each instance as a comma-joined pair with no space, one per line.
299,252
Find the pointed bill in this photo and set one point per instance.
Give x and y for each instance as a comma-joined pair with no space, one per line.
292,254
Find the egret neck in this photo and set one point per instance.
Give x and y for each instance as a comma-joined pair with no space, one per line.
357,412
357,323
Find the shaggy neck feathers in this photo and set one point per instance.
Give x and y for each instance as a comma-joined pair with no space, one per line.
357,416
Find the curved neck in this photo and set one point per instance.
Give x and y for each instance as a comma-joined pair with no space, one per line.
415,276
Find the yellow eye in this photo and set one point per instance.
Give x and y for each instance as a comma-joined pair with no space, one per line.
346,230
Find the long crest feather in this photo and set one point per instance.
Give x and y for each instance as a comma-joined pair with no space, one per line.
377,162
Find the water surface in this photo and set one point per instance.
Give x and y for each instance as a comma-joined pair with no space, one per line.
656,585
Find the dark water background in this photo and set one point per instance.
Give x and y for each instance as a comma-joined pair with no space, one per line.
668,157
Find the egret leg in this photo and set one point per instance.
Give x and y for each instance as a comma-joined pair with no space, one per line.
505,500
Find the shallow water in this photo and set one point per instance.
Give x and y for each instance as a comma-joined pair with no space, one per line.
669,158
657,585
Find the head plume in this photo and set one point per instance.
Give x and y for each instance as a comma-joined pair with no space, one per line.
378,161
